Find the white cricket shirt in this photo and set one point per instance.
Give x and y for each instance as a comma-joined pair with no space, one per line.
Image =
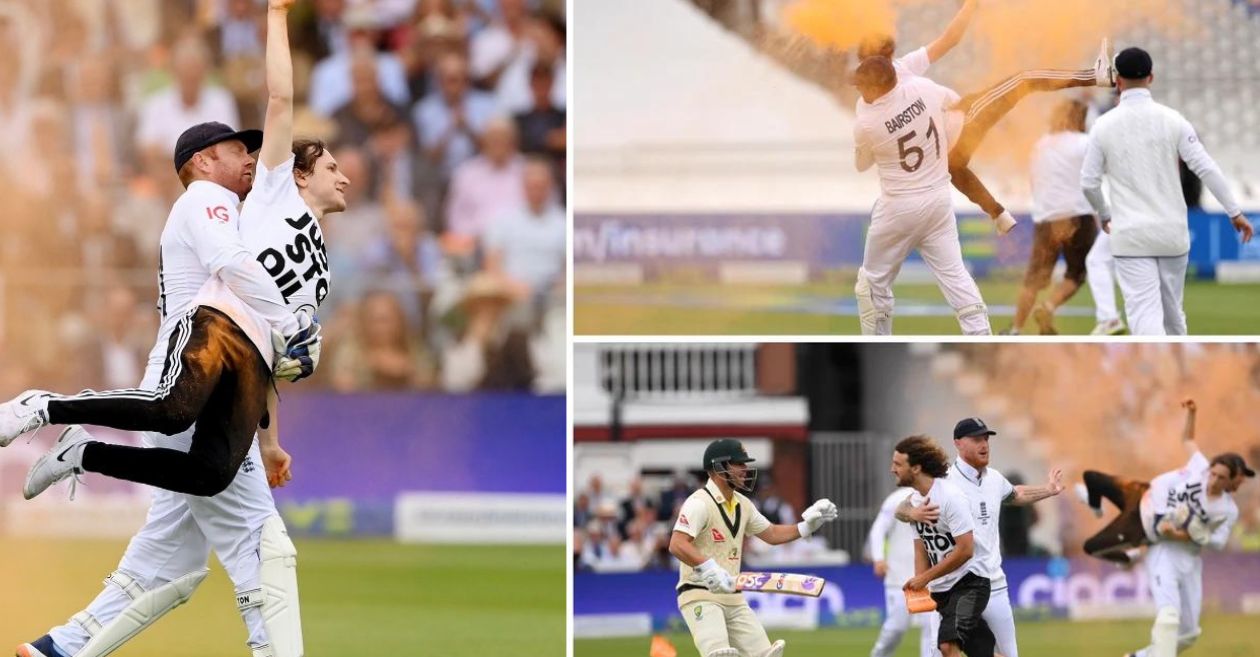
892,541
1137,146
281,232
1056,176
912,64
1188,486
985,494
941,538
718,530
905,132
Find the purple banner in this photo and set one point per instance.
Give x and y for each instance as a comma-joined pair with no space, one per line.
370,447
853,595
681,244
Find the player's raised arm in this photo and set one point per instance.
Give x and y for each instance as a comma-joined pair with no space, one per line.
1187,432
818,514
277,143
1024,495
952,34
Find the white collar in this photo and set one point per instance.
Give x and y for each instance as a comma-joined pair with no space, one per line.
715,491
972,474
216,188
1140,93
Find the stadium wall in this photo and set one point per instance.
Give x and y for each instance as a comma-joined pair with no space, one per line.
421,468
1040,588
800,247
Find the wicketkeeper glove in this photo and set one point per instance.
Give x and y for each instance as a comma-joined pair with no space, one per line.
297,356
1200,532
819,513
715,578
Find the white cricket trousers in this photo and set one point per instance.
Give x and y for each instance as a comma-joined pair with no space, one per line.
1176,580
715,626
1100,272
1153,287
925,222
898,619
1001,621
177,537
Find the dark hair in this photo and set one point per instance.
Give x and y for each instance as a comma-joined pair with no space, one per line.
1069,116
1230,460
876,45
305,153
875,74
924,452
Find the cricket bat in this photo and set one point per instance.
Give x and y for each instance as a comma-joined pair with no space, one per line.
789,583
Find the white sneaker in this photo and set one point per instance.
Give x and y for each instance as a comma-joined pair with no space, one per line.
1109,327
64,460
1082,493
25,413
1104,71
1005,222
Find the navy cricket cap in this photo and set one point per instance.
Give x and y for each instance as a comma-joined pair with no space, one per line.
972,426
205,135
1133,64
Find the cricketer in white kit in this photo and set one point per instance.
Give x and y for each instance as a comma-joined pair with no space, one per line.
167,559
708,541
1184,511
891,545
987,491
1137,146
903,128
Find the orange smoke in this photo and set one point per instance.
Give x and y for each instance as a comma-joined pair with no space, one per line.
1003,38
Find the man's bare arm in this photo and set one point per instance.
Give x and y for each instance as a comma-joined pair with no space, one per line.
952,34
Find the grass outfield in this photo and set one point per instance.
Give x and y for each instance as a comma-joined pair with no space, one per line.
818,309
358,597
1223,636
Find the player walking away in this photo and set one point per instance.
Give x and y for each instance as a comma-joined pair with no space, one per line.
1193,501
945,561
1100,273
1137,146
987,491
1064,222
982,110
708,540
891,544
166,559
900,129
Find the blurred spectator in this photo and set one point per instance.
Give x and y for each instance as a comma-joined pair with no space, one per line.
319,32
118,345
773,507
331,81
489,186
383,354
494,47
190,100
527,245
98,124
485,339
240,33
542,126
450,119
544,49
368,111
406,258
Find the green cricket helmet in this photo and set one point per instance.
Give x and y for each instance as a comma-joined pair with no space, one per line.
720,453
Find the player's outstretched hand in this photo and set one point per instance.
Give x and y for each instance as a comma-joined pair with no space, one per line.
276,463
928,513
1055,481
818,513
1243,227
1189,405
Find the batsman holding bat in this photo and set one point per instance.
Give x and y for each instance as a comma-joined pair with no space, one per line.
708,539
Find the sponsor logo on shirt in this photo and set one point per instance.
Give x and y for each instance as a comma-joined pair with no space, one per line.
717,536
218,213
682,520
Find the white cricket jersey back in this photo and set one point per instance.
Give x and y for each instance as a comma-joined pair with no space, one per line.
899,540
187,254
1056,176
985,495
912,64
1139,141
940,538
282,231
905,131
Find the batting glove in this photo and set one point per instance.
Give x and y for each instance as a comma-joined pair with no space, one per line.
715,578
297,356
819,513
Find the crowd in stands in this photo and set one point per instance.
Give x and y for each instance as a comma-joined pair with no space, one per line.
448,116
